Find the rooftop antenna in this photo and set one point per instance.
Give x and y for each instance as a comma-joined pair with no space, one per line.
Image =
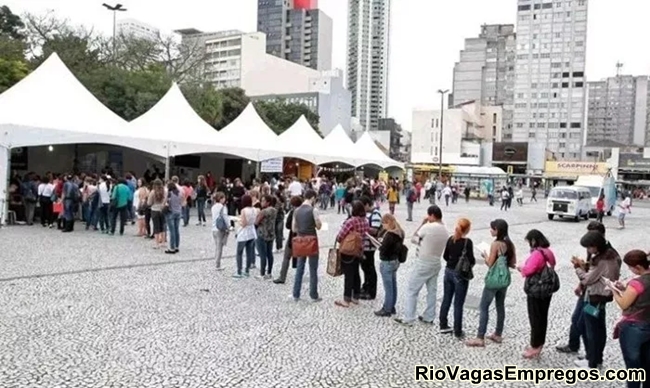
619,67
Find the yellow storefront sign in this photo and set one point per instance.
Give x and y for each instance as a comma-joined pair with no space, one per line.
574,169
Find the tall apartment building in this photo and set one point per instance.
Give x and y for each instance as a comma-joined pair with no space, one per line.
486,71
137,29
550,88
618,110
296,30
367,59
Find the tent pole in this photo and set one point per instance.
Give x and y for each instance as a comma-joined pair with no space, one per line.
5,157
167,165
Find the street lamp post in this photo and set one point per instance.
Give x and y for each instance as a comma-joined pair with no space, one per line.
115,9
442,116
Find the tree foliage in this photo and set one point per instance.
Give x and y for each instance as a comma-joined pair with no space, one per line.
129,75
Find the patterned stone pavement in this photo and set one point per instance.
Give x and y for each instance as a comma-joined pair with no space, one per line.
89,310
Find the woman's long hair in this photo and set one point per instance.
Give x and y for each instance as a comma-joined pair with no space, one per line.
463,226
158,191
391,225
501,226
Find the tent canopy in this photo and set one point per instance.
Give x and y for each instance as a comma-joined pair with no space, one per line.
367,149
339,144
50,106
302,139
248,132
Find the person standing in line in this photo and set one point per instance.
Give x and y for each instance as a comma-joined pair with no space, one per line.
131,183
624,208
29,191
156,201
306,222
187,192
104,190
246,236
202,193
265,223
390,251
279,205
369,286
220,226
120,199
357,223
411,198
501,248
141,197
634,327
456,281
431,238
540,257
71,196
175,205
45,192
295,202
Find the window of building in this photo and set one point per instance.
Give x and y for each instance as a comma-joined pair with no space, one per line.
555,85
524,7
519,125
562,145
538,6
533,85
562,135
531,125
547,5
494,118
541,125
566,74
531,135
562,125
556,65
575,125
577,74
565,84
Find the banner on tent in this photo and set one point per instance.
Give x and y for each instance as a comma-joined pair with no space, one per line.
272,165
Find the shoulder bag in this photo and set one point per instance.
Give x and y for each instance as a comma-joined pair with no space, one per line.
498,276
464,267
334,262
352,245
542,284
304,246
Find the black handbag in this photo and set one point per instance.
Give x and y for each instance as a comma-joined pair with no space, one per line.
464,267
543,284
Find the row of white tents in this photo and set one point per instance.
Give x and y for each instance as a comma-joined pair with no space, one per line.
50,107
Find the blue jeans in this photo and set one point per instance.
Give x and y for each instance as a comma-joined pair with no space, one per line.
250,254
596,335
173,224
577,329
68,210
313,277
200,209
424,272
123,213
409,211
265,249
104,224
324,200
185,211
635,346
486,300
388,270
454,288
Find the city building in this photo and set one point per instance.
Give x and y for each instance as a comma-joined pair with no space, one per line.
237,59
550,87
367,59
618,110
389,136
136,29
464,129
297,30
325,94
486,71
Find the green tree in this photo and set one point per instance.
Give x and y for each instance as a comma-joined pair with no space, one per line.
280,115
234,101
13,65
11,25
206,101
11,71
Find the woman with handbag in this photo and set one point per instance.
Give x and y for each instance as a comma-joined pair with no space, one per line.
501,257
246,236
156,202
459,255
350,239
295,202
633,330
390,252
541,282
605,263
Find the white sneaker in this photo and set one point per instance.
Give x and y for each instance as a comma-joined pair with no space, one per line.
582,364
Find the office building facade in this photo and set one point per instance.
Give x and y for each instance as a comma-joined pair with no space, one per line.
485,72
367,59
136,29
618,110
550,87
296,31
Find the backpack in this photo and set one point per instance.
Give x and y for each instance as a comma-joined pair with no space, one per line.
413,197
464,267
220,222
498,276
352,245
542,284
403,253
28,192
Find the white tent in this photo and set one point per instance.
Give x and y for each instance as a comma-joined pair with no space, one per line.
301,139
338,143
368,150
174,121
250,137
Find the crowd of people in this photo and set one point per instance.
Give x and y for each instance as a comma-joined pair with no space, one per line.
259,213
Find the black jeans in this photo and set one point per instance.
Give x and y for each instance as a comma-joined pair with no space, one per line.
577,329
124,213
351,278
369,286
147,220
596,335
538,318
46,210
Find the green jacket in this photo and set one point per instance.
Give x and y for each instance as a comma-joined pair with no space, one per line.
121,194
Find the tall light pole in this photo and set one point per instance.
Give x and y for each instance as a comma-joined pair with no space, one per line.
442,116
115,9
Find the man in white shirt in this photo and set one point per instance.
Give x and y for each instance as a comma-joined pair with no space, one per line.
624,208
295,188
45,191
431,238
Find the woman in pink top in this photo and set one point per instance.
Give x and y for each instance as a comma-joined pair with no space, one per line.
633,330
540,256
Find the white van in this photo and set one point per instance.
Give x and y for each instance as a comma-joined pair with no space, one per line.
599,185
569,201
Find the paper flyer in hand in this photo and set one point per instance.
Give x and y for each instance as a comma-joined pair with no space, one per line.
483,247
373,240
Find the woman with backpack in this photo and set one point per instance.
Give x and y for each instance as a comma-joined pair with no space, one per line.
539,290
350,239
391,253
501,257
220,226
459,255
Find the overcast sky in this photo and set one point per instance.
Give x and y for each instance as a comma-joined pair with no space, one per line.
426,35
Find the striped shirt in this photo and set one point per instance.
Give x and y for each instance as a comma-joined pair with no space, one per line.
374,221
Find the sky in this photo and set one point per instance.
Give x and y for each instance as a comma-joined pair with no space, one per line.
426,35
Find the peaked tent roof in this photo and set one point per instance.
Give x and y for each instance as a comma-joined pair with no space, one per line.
367,148
339,144
301,139
50,106
250,135
174,120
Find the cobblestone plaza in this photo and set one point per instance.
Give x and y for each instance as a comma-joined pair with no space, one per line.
89,310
